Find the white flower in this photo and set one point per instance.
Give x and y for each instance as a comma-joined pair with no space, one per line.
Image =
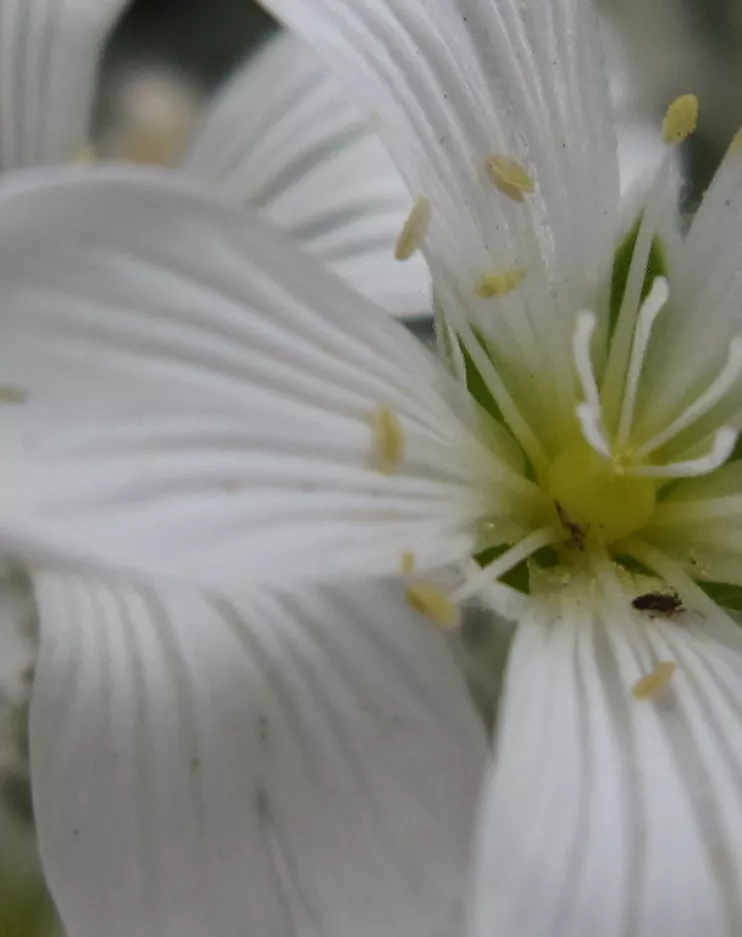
202,403
254,765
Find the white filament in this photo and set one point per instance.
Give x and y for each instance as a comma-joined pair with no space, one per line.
721,449
650,309
589,413
718,389
504,563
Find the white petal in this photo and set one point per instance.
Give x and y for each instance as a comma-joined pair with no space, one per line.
269,767
284,136
49,52
608,814
453,82
199,396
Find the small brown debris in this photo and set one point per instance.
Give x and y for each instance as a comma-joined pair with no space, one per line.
577,533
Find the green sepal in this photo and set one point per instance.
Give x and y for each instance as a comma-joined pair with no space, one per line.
736,452
725,594
476,384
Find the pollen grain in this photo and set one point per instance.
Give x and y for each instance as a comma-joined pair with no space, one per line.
509,176
499,283
649,686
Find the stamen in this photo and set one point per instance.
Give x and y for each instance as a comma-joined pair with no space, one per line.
650,685
414,230
648,312
723,446
503,564
499,284
681,119
509,409
407,565
430,600
625,328
581,341
592,429
718,389
388,441
589,413
509,176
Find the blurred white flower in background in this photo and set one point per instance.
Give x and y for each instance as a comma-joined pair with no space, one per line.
671,46
152,112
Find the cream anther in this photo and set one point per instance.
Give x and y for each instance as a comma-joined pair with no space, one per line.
388,441
430,600
509,176
499,283
414,230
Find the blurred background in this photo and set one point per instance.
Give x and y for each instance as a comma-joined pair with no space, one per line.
167,57
164,62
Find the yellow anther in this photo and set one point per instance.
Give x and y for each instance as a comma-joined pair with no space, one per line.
414,230
499,284
388,440
407,566
650,685
431,600
9,394
681,119
509,176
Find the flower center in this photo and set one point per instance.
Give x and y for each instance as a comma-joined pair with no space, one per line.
593,493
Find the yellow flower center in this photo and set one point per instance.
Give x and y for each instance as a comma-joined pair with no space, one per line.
593,494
